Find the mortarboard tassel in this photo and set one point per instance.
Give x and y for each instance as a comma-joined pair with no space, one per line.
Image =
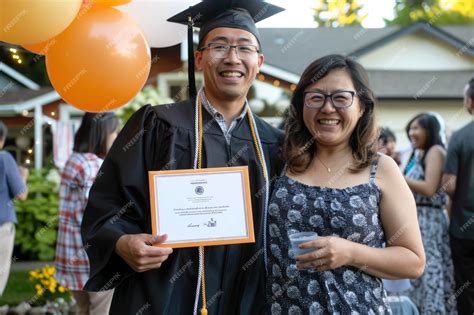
191,79
203,283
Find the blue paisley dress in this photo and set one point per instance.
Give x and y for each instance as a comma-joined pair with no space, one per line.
433,292
351,213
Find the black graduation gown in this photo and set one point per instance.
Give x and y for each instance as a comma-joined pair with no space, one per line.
157,138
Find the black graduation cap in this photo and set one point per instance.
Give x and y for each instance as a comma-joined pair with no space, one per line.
210,14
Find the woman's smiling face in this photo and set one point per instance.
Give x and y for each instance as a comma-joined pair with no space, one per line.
418,135
328,125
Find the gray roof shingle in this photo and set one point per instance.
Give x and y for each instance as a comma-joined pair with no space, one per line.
291,49
294,49
419,84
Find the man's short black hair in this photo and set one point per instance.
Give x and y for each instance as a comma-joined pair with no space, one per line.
386,134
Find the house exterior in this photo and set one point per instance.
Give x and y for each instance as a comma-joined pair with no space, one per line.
26,108
419,68
411,69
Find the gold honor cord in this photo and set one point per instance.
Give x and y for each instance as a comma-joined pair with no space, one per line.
257,147
199,165
201,248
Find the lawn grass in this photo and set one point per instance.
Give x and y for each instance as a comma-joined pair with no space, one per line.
18,289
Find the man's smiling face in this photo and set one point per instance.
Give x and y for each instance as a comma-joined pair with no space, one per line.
230,77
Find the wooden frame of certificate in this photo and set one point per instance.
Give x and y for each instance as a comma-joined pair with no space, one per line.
202,207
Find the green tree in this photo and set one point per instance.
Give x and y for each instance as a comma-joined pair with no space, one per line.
334,13
435,12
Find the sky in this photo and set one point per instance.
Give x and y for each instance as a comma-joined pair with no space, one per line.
299,13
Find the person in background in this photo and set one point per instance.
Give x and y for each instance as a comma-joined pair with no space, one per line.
387,143
458,181
433,291
12,186
92,141
339,187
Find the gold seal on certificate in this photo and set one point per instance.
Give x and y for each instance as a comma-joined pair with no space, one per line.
202,207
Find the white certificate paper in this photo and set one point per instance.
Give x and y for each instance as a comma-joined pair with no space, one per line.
202,207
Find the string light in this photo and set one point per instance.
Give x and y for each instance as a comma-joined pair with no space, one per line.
16,56
27,161
261,77
276,82
293,87
53,113
30,151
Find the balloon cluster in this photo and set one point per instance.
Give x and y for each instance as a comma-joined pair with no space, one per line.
97,56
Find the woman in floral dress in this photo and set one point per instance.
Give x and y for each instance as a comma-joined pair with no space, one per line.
433,292
337,186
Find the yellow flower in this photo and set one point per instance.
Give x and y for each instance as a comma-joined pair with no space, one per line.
61,289
40,291
50,270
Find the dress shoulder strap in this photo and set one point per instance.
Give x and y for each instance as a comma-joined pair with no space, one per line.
283,171
373,168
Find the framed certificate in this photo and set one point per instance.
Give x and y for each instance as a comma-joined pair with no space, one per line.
202,207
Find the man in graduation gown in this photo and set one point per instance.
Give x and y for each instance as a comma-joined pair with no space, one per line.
116,227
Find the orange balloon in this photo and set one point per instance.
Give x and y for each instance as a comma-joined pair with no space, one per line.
41,48
100,62
109,3
25,22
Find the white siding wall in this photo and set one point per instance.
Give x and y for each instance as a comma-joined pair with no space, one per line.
396,114
417,51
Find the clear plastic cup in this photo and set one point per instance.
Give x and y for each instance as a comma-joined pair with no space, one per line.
301,237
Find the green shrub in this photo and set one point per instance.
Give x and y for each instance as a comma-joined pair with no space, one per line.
37,226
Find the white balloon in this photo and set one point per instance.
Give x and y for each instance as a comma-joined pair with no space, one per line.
151,16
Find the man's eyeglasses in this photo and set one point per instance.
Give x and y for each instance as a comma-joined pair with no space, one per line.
340,99
221,51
